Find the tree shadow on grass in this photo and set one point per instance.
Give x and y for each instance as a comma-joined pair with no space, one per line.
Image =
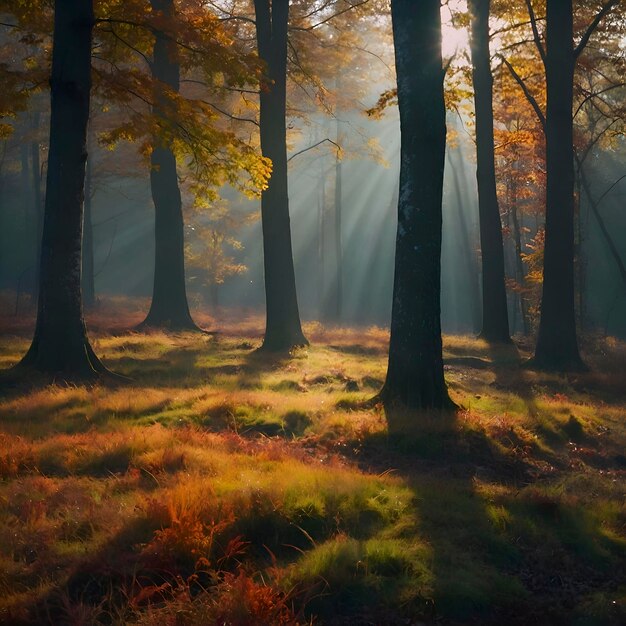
510,374
197,366
505,547
558,435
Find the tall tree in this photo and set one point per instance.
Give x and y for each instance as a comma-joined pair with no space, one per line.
495,323
415,371
169,308
557,345
60,345
283,330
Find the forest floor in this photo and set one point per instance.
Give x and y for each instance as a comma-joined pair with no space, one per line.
224,486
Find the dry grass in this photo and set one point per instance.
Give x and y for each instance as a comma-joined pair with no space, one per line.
223,486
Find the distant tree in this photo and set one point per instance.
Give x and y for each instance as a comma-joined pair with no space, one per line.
557,342
208,251
495,322
60,345
415,378
177,61
169,307
521,173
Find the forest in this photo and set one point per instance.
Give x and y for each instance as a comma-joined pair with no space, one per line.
312,312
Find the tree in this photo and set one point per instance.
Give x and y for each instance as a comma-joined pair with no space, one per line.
169,307
171,63
283,330
60,345
520,172
557,343
208,252
495,325
415,370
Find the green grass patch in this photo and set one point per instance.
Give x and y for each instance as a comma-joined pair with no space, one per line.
223,484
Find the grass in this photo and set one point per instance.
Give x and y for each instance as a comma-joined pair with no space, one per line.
226,487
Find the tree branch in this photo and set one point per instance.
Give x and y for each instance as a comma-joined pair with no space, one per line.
606,7
536,37
529,96
295,154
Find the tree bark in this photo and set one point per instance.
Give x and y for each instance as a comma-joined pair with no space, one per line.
495,323
557,344
60,347
169,308
415,378
283,330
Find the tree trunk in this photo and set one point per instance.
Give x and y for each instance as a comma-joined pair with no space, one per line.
495,327
283,330
415,371
60,346
89,291
557,345
169,308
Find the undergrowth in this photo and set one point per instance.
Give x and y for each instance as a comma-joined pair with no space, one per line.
222,486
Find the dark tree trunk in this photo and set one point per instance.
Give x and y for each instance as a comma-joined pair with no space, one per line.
557,345
89,291
60,346
415,371
283,330
169,308
495,327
